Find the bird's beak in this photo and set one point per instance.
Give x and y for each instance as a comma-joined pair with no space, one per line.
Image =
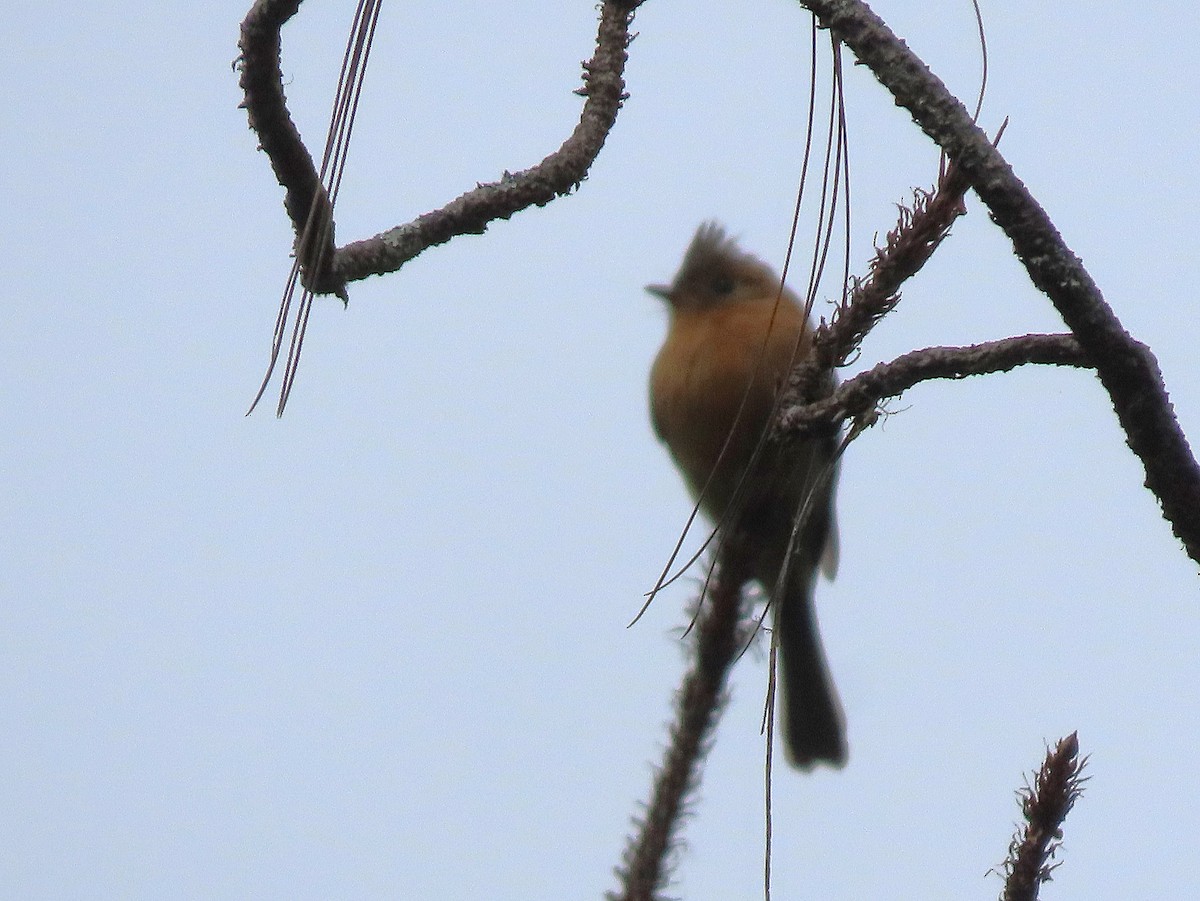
663,291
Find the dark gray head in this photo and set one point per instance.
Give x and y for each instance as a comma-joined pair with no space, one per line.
715,270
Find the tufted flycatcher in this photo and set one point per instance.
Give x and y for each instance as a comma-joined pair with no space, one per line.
732,341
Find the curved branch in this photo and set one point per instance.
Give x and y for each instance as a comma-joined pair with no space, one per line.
266,107
1125,366
859,395
558,174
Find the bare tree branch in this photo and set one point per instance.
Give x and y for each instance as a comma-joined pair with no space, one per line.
860,394
558,174
1044,805
698,703
266,108
1126,367
908,246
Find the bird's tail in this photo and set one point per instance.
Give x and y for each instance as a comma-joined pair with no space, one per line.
814,726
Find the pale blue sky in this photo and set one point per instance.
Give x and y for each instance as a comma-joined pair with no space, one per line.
378,649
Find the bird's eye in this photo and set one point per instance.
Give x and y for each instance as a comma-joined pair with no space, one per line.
722,284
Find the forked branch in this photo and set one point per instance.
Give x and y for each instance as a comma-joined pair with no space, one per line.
1125,366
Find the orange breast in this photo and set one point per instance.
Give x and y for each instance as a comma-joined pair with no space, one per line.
714,362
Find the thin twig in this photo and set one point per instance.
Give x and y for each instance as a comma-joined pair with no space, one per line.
860,394
1044,805
698,704
908,246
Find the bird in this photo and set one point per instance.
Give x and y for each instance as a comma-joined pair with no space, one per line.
735,332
